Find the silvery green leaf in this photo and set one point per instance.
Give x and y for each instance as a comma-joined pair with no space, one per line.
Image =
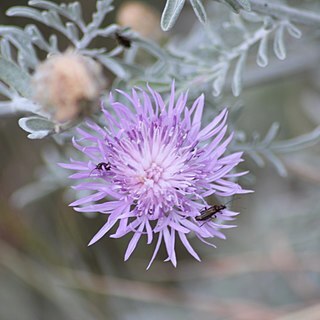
94,52
23,63
262,56
110,30
20,39
44,5
237,5
36,37
76,11
272,133
115,52
237,76
23,105
24,47
158,69
251,16
71,11
199,10
245,4
298,143
171,13
25,12
53,42
33,192
220,80
256,158
72,31
103,7
5,49
51,18
5,91
113,65
277,163
278,44
38,127
49,5
13,76
293,30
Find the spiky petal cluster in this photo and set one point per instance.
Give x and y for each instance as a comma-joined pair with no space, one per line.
152,168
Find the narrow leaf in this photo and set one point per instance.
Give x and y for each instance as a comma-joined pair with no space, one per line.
15,77
199,10
298,143
237,5
25,12
5,49
293,30
237,76
272,133
256,158
37,37
277,163
44,5
245,4
278,45
171,13
262,56
219,82
72,31
75,8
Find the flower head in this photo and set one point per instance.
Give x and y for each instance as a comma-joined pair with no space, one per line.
152,168
68,85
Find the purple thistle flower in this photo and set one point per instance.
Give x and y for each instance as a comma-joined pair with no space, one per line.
153,166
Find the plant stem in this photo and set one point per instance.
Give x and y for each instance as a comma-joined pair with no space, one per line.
281,11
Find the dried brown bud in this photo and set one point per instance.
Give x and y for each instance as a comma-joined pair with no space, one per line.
141,18
68,86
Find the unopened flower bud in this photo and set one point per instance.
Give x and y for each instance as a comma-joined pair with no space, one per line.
140,17
68,86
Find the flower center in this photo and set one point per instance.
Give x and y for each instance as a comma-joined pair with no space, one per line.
153,175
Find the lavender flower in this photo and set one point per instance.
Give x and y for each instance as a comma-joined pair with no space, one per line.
151,169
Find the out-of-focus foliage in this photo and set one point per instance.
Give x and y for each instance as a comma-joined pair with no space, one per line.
27,42
173,9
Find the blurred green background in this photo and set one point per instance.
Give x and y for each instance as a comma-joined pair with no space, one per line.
268,268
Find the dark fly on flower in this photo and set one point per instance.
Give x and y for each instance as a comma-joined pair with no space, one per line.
102,166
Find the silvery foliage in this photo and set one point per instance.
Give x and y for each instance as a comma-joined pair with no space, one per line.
173,9
213,58
20,49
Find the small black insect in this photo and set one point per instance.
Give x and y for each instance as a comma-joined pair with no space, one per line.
123,40
102,166
209,213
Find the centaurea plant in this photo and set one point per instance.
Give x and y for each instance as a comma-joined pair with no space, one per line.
151,169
